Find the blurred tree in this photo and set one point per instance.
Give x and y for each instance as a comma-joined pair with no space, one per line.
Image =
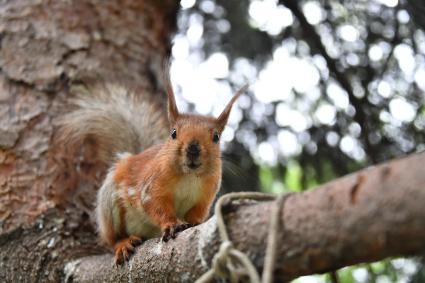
364,107
417,10
353,98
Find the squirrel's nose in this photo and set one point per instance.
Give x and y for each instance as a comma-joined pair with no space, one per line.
192,151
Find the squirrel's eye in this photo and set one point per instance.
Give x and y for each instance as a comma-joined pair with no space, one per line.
216,138
174,134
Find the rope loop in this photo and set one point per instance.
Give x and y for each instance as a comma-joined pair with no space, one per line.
232,264
220,260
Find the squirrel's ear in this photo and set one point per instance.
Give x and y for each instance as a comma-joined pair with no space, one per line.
224,116
173,112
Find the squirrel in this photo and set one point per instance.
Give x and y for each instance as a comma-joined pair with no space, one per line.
148,192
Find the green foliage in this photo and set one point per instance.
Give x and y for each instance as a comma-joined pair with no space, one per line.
345,275
386,271
293,177
266,179
419,276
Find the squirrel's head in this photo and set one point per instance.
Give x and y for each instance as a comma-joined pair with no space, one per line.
194,139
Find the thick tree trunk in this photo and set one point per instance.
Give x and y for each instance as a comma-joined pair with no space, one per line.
373,214
45,46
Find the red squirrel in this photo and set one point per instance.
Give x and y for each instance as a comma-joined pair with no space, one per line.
163,189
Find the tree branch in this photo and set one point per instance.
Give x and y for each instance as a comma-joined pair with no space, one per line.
373,214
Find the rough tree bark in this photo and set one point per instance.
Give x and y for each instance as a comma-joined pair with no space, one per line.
367,216
45,47
373,214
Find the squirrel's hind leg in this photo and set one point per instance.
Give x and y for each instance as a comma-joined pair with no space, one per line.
124,248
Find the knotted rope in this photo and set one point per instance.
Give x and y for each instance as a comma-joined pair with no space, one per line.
230,263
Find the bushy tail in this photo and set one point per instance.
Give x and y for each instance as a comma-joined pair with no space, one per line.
115,119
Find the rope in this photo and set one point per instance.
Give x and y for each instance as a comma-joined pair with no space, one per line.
226,261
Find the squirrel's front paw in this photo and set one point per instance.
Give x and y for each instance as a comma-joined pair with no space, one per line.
184,226
171,231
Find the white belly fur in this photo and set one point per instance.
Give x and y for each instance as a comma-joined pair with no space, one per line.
187,193
138,223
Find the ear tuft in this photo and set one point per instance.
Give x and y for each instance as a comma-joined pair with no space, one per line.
173,112
224,116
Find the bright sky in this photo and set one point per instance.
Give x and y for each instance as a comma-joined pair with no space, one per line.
204,81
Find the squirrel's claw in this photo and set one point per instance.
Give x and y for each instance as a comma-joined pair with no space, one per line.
124,248
172,231
169,233
182,227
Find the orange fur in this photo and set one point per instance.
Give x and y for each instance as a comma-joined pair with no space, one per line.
165,187
125,247
199,212
135,170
